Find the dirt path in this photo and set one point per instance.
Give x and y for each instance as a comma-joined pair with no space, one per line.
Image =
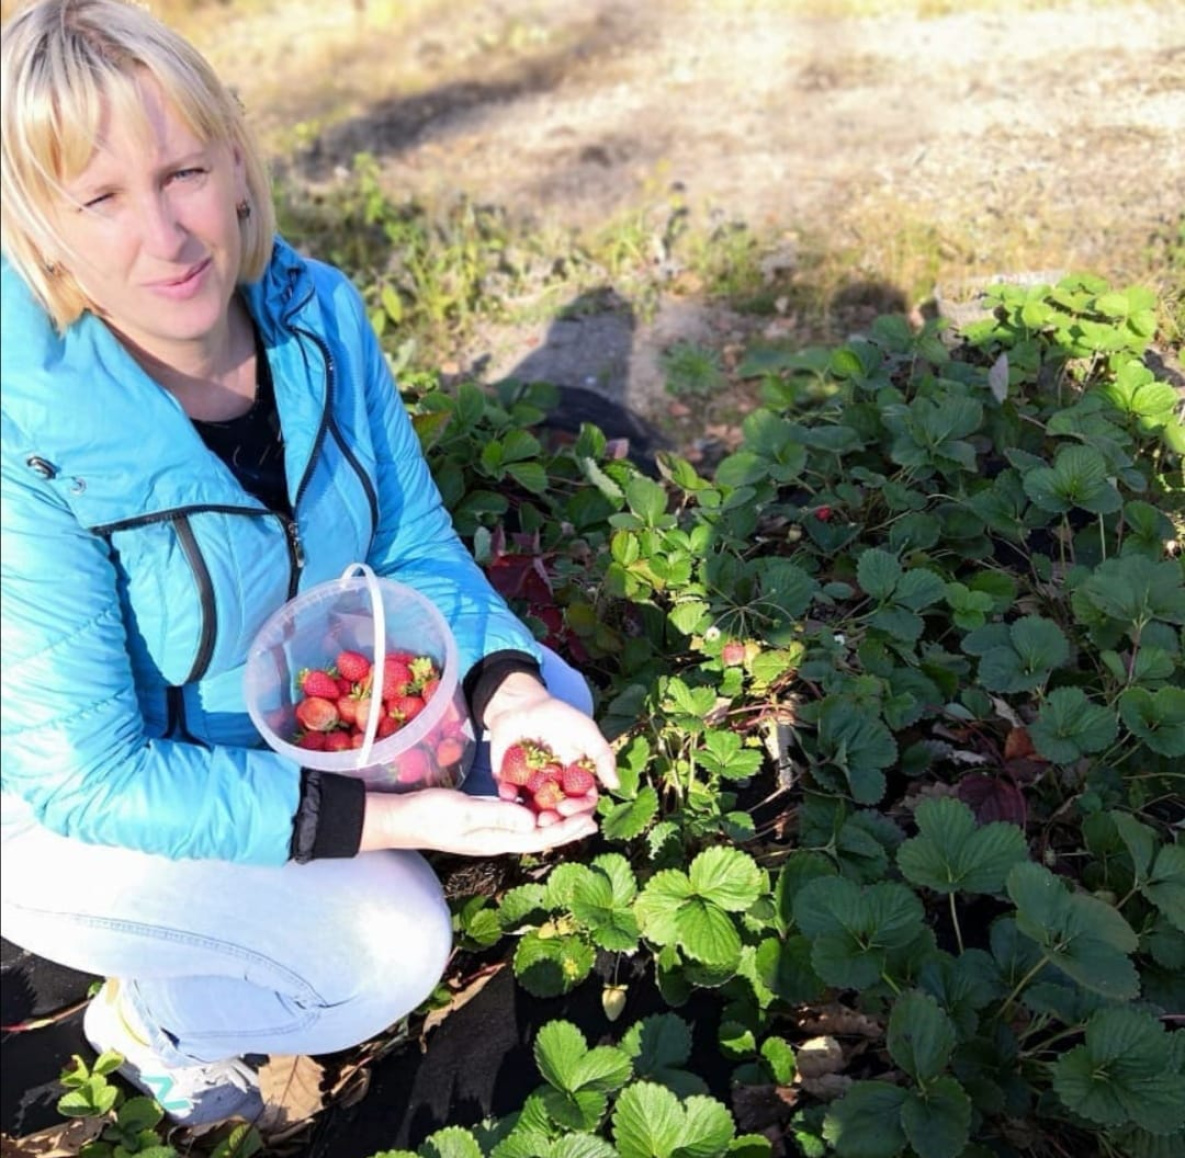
1012,141
1074,115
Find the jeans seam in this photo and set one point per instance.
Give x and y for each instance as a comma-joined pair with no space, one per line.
227,948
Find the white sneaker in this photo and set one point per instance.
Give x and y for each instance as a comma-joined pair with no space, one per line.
196,1095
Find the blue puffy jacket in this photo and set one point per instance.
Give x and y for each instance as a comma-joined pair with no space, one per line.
135,571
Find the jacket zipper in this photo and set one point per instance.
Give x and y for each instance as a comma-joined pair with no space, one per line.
180,517
372,498
296,555
201,573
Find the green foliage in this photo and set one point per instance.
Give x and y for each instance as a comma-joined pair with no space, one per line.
136,1125
898,695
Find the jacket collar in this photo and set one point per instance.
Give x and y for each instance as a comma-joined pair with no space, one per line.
121,446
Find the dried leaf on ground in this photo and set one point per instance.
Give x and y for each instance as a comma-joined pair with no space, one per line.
818,1056
827,1087
62,1141
758,1107
838,1020
1018,745
470,988
291,1089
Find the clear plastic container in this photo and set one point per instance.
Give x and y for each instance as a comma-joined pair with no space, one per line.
312,629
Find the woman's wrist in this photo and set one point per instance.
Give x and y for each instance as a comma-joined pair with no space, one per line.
380,823
518,690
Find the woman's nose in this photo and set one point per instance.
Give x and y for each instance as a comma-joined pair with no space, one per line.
161,227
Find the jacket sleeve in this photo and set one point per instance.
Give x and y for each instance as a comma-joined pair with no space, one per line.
415,542
74,740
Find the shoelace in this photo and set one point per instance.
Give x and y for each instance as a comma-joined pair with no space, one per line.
234,1071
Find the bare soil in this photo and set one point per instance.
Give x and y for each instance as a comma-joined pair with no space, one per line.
988,141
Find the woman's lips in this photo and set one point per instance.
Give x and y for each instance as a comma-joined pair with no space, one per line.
183,287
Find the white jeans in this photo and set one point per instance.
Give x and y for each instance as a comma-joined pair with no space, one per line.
221,959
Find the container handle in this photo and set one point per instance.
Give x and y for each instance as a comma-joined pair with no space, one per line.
380,654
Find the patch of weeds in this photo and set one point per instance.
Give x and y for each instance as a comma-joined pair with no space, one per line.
693,370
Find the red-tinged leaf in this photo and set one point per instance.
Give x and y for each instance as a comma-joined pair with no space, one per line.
994,798
1018,745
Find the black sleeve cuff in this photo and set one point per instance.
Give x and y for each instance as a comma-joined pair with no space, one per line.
328,821
485,676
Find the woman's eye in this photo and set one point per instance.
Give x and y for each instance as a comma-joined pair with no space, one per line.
97,202
187,174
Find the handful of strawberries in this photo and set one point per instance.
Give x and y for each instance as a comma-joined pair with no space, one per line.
335,703
533,775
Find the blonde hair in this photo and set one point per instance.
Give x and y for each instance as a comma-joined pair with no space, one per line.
63,62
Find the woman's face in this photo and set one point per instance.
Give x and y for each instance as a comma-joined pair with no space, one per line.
151,232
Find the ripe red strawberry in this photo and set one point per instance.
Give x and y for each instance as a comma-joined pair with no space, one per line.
316,715
347,709
337,741
353,665
548,795
388,726
577,780
516,765
314,682
429,688
449,751
344,686
396,677
313,741
414,766
549,774
732,654
357,739
823,513
406,707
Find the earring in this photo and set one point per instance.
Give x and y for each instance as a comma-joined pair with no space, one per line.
243,210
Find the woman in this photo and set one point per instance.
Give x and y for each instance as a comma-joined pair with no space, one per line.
197,424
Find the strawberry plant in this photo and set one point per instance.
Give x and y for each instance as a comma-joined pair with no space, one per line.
899,703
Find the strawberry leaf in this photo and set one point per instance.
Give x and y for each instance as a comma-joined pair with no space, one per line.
549,966
630,818
1084,937
866,1121
728,877
937,1119
920,1036
1157,718
451,1142
1070,726
1123,1072
1166,885
951,854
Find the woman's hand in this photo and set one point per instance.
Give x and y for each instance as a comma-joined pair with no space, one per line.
523,709
445,820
